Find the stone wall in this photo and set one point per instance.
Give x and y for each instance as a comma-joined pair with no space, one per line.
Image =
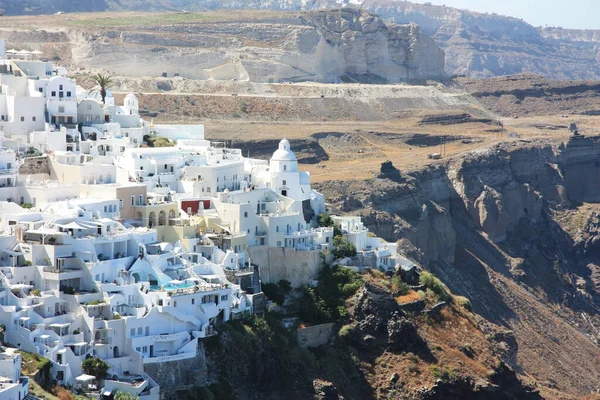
314,336
178,374
277,263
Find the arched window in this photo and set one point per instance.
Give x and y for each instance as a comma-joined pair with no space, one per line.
246,214
285,167
277,229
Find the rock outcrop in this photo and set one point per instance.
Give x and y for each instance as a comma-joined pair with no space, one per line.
492,225
476,44
323,46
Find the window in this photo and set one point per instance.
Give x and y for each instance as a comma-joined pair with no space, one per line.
193,301
120,203
105,209
139,331
132,201
132,332
61,109
89,107
33,119
53,93
68,94
285,167
41,90
60,87
61,94
246,214
224,298
279,243
22,119
284,182
141,199
145,349
277,229
175,304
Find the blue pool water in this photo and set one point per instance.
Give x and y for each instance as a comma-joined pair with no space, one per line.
173,287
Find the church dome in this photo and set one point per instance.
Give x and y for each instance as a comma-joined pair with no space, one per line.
284,153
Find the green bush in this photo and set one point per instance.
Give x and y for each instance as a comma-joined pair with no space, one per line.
325,303
120,395
401,288
36,292
95,366
94,303
285,286
273,292
445,374
463,302
325,220
347,330
432,283
343,248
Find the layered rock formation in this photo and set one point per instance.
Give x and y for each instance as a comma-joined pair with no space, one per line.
477,45
323,46
492,224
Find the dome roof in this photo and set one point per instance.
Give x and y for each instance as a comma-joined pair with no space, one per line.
283,153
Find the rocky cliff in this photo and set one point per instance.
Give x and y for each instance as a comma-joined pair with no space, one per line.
476,44
505,227
324,46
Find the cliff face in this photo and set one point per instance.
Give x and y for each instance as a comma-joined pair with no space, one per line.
476,45
486,45
323,46
503,226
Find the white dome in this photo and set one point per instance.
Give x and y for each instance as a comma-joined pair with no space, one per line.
284,153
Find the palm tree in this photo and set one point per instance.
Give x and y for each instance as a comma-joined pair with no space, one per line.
102,83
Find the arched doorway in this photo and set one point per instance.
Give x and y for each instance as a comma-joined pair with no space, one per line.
116,352
136,277
151,219
171,217
140,216
162,218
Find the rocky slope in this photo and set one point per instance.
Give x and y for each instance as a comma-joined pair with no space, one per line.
534,95
476,45
323,46
503,227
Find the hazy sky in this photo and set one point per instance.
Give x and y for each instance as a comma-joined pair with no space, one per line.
576,14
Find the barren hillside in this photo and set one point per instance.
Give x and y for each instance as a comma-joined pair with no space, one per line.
476,44
322,46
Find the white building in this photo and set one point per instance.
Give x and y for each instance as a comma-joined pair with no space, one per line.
12,385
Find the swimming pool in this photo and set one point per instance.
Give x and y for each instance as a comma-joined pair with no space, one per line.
183,285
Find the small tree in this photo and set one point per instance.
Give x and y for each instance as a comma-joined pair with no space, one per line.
102,83
95,366
343,248
120,395
324,220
